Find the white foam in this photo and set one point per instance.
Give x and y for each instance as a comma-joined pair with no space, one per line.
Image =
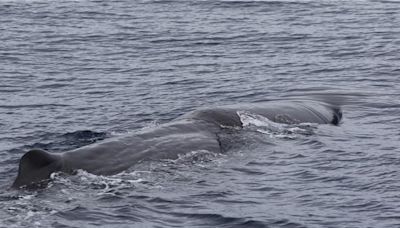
250,119
265,126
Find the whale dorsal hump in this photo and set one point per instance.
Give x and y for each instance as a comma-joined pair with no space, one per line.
35,168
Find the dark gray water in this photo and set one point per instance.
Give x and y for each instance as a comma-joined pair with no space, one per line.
74,72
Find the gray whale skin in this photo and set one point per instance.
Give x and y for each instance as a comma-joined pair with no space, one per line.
196,130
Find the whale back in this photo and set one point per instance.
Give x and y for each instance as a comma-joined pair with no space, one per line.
196,130
35,168
287,112
220,116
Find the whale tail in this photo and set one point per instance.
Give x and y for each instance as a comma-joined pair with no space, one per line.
35,168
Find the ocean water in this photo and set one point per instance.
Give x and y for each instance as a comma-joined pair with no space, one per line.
73,72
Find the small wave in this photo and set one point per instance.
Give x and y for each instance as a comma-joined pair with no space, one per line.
72,140
67,141
270,1
21,210
213,219
85,135
197,157
248,171
104,184
251,3
10,90
32,106
53,86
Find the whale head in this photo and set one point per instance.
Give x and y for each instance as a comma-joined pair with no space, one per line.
35,168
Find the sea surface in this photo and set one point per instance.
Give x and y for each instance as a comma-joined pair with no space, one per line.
73,72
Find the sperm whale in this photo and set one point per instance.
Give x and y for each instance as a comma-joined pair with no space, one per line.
196,130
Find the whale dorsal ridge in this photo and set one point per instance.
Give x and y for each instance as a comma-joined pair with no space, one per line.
35,166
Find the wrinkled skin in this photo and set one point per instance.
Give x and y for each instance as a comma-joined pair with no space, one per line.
197,130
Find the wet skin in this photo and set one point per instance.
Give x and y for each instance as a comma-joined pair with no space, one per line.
196,130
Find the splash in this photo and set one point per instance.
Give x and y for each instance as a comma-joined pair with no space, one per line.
197,157
103,184
261,124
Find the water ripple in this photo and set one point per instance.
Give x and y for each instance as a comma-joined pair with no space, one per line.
76,72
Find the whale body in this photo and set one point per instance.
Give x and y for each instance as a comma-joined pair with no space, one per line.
196,130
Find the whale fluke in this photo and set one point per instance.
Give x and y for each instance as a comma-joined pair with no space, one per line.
35,168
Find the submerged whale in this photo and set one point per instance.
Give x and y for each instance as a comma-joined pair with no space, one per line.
196,130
